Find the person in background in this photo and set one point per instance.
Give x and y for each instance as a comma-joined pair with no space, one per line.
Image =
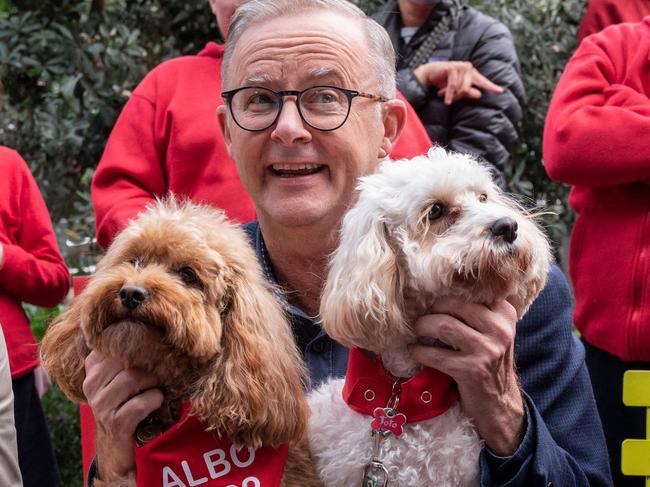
31,270
538,419
9,469
460,71
603,13
167,140
597,139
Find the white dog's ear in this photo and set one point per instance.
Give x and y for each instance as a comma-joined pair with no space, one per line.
364,308
253,392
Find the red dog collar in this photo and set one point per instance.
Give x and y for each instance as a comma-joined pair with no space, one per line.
368,386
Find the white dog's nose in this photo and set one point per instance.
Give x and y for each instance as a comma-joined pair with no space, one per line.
505,228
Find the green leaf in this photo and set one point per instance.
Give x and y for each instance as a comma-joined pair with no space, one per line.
69,86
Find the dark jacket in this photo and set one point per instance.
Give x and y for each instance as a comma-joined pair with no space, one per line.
563,445
486,127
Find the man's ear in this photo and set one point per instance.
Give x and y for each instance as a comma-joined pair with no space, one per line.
222,116
394,118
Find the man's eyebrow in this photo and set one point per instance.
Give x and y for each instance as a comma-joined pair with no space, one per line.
324,72
258,79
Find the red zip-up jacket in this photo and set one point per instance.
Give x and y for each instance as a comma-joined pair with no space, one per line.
597,139
167,138
32,269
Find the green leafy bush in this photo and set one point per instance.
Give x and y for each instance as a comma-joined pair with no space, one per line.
66,70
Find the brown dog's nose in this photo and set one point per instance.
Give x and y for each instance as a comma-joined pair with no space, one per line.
133,296
505,228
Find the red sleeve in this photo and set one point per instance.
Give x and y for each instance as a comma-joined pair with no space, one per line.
603,13
33,269
130,171
598,124
414,140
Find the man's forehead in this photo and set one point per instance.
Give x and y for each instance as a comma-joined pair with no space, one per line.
320,44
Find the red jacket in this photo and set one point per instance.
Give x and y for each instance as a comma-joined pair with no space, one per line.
167,139
597,138
33,269
603,13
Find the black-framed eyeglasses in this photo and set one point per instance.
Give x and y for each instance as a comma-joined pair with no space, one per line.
323,107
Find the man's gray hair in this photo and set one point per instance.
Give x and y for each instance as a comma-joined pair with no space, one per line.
381,55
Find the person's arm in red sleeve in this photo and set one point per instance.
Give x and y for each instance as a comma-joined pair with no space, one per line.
131,170
414,140
32,268
603,13
598,124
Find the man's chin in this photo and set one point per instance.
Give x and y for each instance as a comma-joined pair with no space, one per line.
299,214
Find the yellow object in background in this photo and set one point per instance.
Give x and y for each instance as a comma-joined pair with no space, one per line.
635,454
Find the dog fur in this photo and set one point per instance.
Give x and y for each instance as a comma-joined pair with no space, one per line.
420,231
210,329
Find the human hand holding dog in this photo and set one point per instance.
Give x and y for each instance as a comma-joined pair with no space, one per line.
120,398
455,80
481,361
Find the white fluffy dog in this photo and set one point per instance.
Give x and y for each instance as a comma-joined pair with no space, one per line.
422,229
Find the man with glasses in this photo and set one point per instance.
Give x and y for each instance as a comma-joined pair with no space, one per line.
311,106
167,140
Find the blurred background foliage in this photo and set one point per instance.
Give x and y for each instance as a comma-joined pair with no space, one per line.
68,67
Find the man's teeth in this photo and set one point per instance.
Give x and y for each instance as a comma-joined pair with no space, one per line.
294,167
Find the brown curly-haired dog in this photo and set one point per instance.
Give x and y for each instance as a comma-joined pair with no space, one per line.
179,293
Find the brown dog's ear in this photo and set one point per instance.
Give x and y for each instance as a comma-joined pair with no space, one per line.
364,308
63,351
253,393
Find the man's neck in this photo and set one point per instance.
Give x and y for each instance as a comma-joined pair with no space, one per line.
414,15
299,260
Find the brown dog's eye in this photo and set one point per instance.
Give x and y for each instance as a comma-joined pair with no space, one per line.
436,211
136,262
188,276
482,198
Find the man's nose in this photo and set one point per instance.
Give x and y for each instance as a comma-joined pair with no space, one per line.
289,128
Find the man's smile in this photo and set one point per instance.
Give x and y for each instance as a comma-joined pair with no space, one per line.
297,169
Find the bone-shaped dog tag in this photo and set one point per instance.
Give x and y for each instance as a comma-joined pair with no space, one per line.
375,475
386,420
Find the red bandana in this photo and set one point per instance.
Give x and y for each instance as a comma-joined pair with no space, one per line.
186,455
368,386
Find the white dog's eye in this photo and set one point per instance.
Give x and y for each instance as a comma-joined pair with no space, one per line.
436,211
482,198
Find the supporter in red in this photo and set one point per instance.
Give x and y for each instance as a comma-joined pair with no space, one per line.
603,13
597,139
167,139
31,270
